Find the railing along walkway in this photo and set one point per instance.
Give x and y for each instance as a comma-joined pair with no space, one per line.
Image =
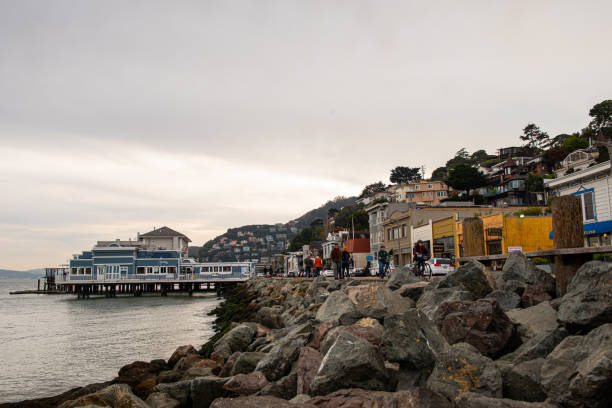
545,253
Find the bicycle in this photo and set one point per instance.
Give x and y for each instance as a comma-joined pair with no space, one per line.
423,269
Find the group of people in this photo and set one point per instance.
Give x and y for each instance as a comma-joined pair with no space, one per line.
342,260
419,252
313,266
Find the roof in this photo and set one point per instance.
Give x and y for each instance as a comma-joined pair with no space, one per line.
164,232
359,245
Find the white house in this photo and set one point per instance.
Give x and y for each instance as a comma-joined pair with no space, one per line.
593,186
164,238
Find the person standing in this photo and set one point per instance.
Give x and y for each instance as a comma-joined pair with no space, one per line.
383,261
336,257
308,264
346,260
318,265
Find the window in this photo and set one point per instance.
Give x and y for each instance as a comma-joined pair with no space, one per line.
424,193
404,230
172,269
140,270
149,269
431,193
88,271
389,234
227,269
417,187
164,269
81,271
507,170
123,269
588,206
429,186
73,271
156,269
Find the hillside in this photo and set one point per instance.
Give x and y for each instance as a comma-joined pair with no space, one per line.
260,242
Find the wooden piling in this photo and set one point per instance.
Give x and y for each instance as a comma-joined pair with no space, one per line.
473,237
567,233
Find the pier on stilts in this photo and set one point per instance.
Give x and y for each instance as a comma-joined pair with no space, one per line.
84,290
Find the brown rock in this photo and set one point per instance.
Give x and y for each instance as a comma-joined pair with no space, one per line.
256,402
180,353
169,376
143,389
319,334
138,371
187,362
481,323
533,295
368,329
229,364
262,331
162,400
246,384
307,367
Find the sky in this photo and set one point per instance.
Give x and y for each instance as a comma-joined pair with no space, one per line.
118,116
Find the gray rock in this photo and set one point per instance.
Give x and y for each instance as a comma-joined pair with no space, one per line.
237,339
300,399
413,340
588,301
515,286
481,323
413,290
431,299
539,346
246,362
474,400
463,369
270,317
523,381
180,391
399,277
256,402
534,320
334,307
377,301
578,373
350,362
507,300
357,398
116,395
546,281
162,400
472,277
246,384
285,388
277,362
205,390
181,352
519,268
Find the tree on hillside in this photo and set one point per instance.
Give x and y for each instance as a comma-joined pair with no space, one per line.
332,212
317,222
480,155
535,183
439,174
352,215
461,157
373,188
402,174
558,140
553,156
465,177
305,237
574,143
534,137
602,116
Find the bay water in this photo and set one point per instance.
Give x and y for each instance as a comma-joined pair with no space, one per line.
52,343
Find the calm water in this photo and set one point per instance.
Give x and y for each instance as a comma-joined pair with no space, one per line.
51,343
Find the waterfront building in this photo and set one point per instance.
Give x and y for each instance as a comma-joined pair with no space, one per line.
592,185
164,238
422,193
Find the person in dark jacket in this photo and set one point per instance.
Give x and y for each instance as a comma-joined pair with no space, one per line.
336,257
308,264
346,261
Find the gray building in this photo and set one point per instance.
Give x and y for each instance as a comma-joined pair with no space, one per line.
377,214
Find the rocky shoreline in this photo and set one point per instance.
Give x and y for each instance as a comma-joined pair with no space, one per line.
472,339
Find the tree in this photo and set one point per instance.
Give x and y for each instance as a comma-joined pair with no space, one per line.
402,174
553,156
332,212
305,237
465,177
461,157
373,188
351,216
439,174
535,138
574,143
558,140
602,116
480,155
535,183
317,222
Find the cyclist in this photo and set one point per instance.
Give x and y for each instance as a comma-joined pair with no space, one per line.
383,261
420,254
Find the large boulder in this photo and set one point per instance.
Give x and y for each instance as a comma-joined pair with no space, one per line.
413,290
319,334
412,340
578,373
377,301
181,352
141,376
357,398
116,395
204,390
237,339
246,362
285,387
472,277
246,384
533,295
307,366
368,329
433,298
523,381
350,362
463,369
507,300
399,277
277,362
162,400
270,317
179,390
256,402
336,305
534,320
481,323
539,346
474,400
588,301
519,268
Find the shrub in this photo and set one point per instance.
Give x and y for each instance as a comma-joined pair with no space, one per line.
534,211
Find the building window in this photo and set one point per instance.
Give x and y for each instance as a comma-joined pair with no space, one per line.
149,269
140,270
431,193
227,269
507,170
389,234
172,269
88,271
588,205
417,187
429,186
73,271
424,193
404,230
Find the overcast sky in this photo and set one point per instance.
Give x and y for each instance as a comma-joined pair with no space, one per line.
117,116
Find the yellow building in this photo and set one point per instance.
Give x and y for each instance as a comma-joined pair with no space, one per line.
507,232
443,234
